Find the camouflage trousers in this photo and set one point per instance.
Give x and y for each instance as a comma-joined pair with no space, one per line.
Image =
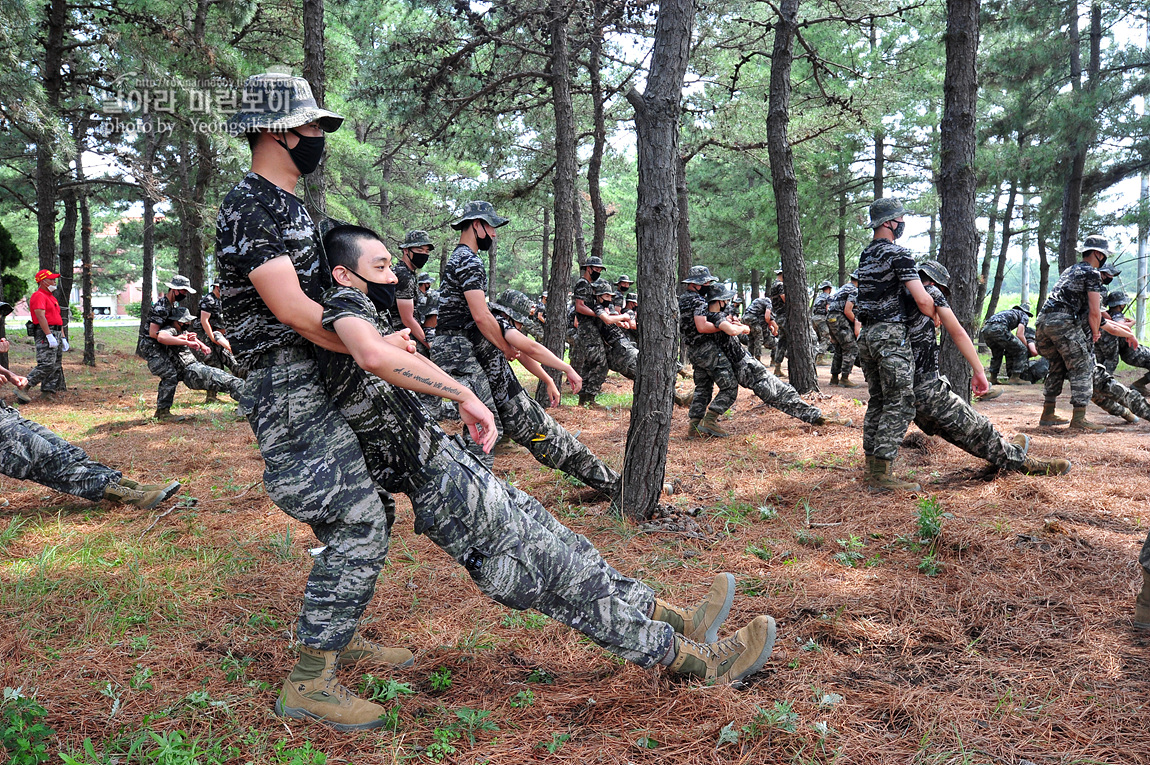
1135,357
161,366
888,365
49,371
520,556
773,391
782,342
1144,556
220,357
822,334
845,344
314,471
529,425
755,340
1004,343
711,367
939,412
593,364
623,357
1116,398
1061,341
31,452
453,352
203,377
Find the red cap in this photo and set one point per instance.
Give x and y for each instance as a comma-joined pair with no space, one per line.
44,273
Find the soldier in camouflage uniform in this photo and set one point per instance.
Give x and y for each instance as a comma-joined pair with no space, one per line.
513,549
778,296
1005,335
889,290
1061,341
709,365
591,360
272,270
179,344
820,307
31,452
210,325
416,249
1133,353
750,371
631,311
1142,602
622,287
150,347
622,355
759,318
841,322
464,319
939,411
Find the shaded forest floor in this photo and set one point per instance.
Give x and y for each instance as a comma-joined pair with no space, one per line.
1005,639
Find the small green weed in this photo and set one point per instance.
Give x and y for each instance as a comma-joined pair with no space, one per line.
22,734
11,532
523,699
540,675
807,539
930,565
850,555
556,743
440,679
139,681
780,717
235,668
527,619
762,553
379,689
472,721
440,749
929,518
300,755
282,546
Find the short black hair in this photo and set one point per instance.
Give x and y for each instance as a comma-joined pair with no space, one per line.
253,137
342,245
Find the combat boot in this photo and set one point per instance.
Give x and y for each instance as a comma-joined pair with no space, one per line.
312,691
881,479
846,422
990,395
1130,417
362,649
682,399
1078,421
726,661
1142,603
167,491
845,382
993,378
700,624
693,429
709,425
1015,380
588,400
145,500
834,380
21,396
1049,417
778,370
165,415
1141,384
211,397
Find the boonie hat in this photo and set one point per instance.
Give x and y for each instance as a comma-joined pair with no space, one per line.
479,210
273,101
180,283
417,238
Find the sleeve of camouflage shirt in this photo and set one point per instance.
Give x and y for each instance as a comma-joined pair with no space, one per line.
470,273
405,288
160,312
258,240
903,266
584,292
345,302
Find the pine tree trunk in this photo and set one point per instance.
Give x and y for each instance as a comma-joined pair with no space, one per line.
1043,268
492,269
56,19
1081,135
756,276
959,240
67,253
988,251
148,267
657,112
86,279
546,258
683,235
313,71
599,133
841,237
1000,272
801,357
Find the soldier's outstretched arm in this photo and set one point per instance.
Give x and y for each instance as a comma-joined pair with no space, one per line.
979,383
538,352
278,286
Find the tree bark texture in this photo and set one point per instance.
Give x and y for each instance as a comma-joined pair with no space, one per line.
1082,134
1000,272
86,274
314,73
599,132
56,19
148,267
657,113
800,356
959,246
988,251
67,253
1043,269
756,277
546,256
683,235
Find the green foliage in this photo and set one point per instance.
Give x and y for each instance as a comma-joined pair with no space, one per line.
23,735
440,679
556,743
540,675
929,518
380,689
850,555
440,749
11,532
930,565
301,755
526,619
523,699
472,721
781,717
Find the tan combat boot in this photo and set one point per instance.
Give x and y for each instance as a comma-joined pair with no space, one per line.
1141,383
362,649
881,478
710,426
211,396
682,399
165,415
1049,417
1015,380
730,660
1035,466
834,380
693,429
145,500
846,422
700,624
1142,603
312,691
845,382
1078,421
1129,417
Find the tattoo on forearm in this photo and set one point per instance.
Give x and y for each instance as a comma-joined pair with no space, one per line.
449,390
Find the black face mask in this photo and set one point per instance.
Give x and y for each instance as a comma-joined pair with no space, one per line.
899,228
419,259
179,296
595,275
381,295
307,153
482,242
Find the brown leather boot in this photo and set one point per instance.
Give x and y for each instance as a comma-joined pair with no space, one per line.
702,622
693,429
834,380
1049,418
845,382
362,649
846,422
165,415
881,479
727,661
313,691
145,500
1015,380
1078,421
710,426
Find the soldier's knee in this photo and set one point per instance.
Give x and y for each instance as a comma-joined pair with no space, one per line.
504,577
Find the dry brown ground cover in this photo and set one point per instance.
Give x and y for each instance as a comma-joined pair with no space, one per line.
1006,640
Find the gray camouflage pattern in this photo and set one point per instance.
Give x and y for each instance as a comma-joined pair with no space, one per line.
940,412
1002,342
771,390
453,352
49,371
31,452
887,362
592,356
846,345
1061,341
711,367
1115,397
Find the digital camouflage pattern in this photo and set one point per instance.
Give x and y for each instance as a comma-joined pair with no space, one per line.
941,412
821,303
49,370
711,367
1069,295
691,304
31,452
778,305
219,356
404,290
257,222
160,315
848,293
1116,398
453,352
464,272
846,347
883,269
924,340
1002,342
887,362
192,373
1059,338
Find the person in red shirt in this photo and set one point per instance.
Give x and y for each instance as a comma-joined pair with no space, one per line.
50,342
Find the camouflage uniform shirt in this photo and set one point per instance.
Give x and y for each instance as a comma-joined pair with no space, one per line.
464,272
756,312
209,304
821,304
404,290
778,290
924,341
181,355
159,315
1069,294
1009,320
848,293
582,291
258,222
883,267
691,304
403,437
